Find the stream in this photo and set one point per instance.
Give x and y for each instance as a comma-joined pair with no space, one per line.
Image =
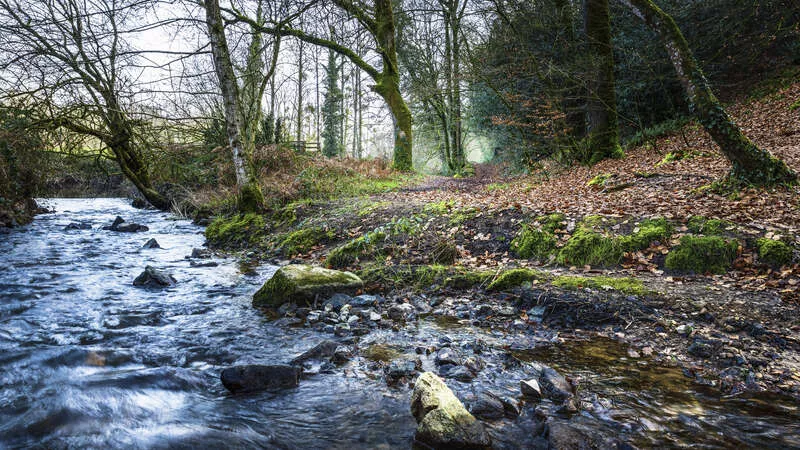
87,360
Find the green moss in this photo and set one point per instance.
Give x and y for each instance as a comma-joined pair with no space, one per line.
626,285
599,180
236,230
534,243
702,225
701,254
381,353
774,253
513,278
358,248
587,247
794,106
648,231
593,221
302,240
250,198
424,276
287,215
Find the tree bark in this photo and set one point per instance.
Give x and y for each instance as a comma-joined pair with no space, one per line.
750,164
250,197
601,105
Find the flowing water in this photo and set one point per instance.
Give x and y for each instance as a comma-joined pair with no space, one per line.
89,361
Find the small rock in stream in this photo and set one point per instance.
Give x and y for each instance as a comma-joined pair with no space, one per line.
487,406
401,312
152,243
254,378
118,226
152,277
554,386
78,226
530,389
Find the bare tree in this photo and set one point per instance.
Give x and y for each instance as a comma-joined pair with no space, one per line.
70,58
378,20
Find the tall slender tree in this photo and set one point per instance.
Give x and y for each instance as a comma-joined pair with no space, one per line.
331,109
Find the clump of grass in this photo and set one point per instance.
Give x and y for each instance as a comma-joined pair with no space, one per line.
439,208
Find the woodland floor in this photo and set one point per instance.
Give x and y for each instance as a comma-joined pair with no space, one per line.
739,331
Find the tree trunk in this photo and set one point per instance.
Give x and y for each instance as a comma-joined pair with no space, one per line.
750,164
388,86
250,197
300,92
601,105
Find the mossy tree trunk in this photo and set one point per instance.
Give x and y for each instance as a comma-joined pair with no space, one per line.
750,164
601,104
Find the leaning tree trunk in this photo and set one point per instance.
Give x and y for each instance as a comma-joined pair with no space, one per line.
250,197
749,163
601,104
388,86
128,158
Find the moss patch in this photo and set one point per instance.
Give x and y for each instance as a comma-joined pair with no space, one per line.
645,233
236,230
538,239
439,208
626,285
599,180
513,278
774,253
302,240
588,247
701,254
351,252
424,276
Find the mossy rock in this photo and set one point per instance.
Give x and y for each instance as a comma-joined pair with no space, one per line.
302,240
588,247
236,230
301,283
513,278
701,254
775,253
442,420
648,231
425,276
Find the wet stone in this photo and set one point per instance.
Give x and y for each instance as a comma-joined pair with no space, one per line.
152,277
324,349
151,243
487,406
447,356
554,386
530,389
78,226
401,312
254,378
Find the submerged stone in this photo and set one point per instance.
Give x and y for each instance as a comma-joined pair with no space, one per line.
300,283
324,349
253,378
442,420
118,226
78,226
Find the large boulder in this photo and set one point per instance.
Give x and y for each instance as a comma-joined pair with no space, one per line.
442,421
254,378
301,283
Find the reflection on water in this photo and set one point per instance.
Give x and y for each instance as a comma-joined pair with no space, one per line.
89,361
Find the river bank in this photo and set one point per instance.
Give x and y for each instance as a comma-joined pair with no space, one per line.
735,331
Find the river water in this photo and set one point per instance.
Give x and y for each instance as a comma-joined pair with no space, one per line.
87,360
